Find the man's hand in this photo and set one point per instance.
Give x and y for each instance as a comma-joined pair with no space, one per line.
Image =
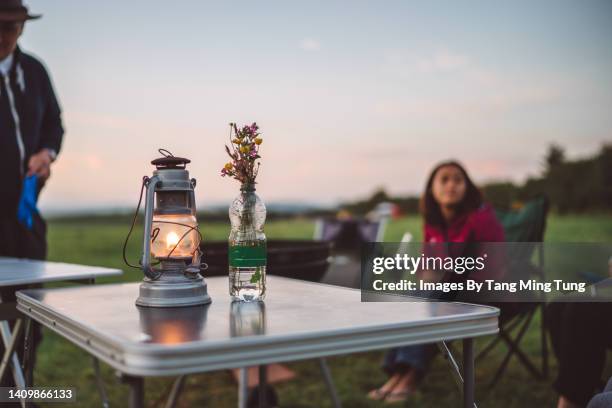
40,164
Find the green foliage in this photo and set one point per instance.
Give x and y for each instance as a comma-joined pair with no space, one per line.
555,157
500,195
256,276
572,186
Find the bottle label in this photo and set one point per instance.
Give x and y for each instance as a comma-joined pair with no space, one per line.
244,256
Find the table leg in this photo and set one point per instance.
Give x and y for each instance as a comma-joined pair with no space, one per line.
136,398
263,386
136,392
468,373
175,393
100,382
28,356
329,382
10,341
28,353
243,387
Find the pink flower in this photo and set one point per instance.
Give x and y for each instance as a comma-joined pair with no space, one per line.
244,151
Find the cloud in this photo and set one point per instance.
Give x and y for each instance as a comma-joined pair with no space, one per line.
449,85
492,94
309,44
404,64
442,61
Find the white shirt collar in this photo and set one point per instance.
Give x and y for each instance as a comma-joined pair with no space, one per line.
5,64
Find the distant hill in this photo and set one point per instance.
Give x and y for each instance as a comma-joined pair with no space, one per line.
218,211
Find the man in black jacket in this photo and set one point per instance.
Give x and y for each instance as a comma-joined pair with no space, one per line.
30,135
30,138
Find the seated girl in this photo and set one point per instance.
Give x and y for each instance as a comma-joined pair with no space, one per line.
454,212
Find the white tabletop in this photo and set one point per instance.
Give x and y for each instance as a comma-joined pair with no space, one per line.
298,320
15,271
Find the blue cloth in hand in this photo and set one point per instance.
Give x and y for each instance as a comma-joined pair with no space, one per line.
27,201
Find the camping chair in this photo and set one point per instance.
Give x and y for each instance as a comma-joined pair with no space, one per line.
526,225
339,231
347,237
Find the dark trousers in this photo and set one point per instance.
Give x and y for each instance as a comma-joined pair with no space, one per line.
400,360
20,242
419,357
580,333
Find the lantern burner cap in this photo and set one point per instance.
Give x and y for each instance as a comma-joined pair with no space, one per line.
169,161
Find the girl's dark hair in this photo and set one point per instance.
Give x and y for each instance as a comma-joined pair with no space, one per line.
431,209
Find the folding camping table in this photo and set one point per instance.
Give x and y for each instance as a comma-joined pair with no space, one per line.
298,320
15,273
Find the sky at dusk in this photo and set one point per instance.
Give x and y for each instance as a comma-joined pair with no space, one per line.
350,96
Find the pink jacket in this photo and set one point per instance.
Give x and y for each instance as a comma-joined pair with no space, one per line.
480,225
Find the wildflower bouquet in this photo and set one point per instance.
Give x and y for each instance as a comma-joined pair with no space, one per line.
244,152
247,241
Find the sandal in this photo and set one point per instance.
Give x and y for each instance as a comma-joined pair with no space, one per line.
377,394
394,397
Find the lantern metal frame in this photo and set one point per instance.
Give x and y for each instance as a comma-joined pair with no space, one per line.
177,281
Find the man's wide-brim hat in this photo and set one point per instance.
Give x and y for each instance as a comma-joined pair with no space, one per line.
14,10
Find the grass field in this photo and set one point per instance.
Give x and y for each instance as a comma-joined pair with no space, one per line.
99,242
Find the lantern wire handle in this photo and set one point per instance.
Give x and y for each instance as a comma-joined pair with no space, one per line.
190,228
145,180
154,234
165,153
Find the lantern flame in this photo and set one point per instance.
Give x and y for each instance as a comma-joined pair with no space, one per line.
172,239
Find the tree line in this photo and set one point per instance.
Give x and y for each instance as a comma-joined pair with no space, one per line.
572,186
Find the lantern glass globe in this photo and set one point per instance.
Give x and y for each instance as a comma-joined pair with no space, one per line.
174,236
